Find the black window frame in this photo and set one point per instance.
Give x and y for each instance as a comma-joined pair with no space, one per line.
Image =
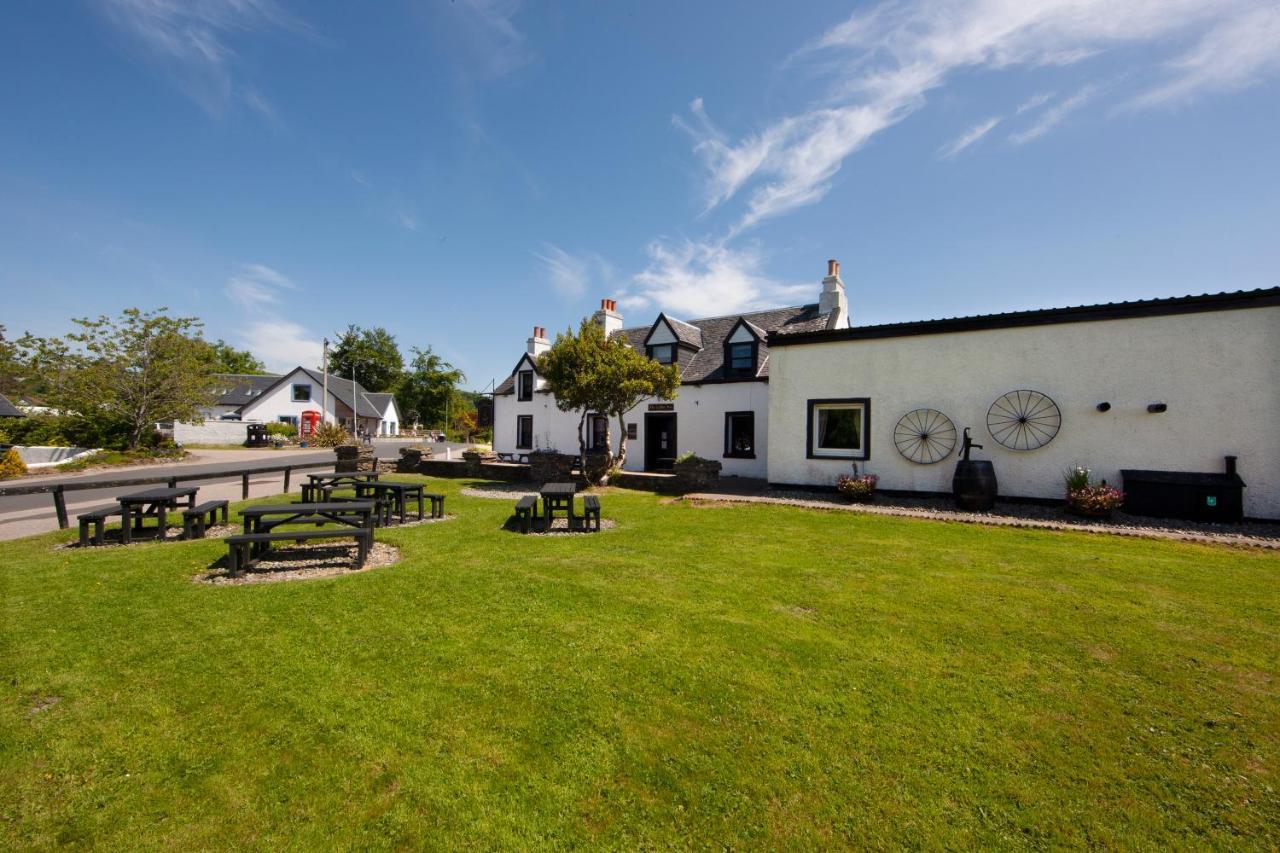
293,392
652,348
592,420
729,452
521,420
524,386
810,422
750,369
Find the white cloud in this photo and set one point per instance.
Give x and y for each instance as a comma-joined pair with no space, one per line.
881,64
1054,115
192,39
1033,102
694,279
495,43
281,344
407,220
570,275
255,286
969,137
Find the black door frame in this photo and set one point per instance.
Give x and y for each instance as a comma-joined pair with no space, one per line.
649,417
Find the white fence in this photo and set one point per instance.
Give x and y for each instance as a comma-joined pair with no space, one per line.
210,432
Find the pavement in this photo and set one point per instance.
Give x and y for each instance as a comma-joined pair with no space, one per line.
25,515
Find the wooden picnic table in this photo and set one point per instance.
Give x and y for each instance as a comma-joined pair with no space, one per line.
557,497
151,503
265,518
326,484
394,496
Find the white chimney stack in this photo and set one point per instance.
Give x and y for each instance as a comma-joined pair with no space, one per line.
538,344
608,317
833,302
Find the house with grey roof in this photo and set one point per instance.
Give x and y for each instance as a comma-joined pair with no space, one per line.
236,390
9,410
341,400
722,408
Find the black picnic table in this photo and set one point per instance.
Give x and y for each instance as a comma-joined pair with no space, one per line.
325,484
557,497
264,518
153,503
393,496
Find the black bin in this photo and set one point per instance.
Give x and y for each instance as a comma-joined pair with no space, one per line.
257,435
1188,495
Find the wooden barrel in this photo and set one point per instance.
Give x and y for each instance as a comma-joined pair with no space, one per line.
974,484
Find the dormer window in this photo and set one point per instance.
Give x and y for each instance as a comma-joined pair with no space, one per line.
740,359
663,353
524,385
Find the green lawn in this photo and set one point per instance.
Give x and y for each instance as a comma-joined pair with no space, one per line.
746,676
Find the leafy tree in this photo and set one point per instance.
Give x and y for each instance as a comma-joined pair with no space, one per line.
375,355
588,373
428,388
129,371
232,360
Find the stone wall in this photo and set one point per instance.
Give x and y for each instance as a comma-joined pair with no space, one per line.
210,432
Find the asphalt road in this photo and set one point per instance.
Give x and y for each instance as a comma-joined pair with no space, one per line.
23,515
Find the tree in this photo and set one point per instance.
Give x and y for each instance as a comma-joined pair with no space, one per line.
231,360
377,360
428,388
588,372
130,371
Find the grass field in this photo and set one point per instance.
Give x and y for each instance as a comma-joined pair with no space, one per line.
749,676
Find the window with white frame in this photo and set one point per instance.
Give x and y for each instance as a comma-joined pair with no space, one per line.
302,393
524,432
839,428
524,382
663,353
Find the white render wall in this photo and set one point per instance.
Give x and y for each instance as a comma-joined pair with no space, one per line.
1218,372
699,410
269,407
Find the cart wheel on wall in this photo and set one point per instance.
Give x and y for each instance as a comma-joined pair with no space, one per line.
925,436
1024,420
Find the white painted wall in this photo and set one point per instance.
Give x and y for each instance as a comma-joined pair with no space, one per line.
269,407
210,432
1219,373
661,335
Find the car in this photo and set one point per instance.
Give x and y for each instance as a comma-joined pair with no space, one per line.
229,416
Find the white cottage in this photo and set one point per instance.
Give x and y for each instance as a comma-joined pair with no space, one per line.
348,403
1157,385
722,410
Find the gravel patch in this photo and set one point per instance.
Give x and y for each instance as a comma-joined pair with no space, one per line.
501,491
303,562
1018,515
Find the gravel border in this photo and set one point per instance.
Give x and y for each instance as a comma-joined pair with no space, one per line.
1017,515
302,562
500,491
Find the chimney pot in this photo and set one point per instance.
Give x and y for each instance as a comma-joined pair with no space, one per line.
833,267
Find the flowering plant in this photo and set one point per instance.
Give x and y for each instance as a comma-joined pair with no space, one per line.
857,488
1089,498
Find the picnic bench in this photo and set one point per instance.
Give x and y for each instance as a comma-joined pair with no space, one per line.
591,512
525,508
396,497
152,503
97,519
197,519
322,486
247,548
557,497
333,520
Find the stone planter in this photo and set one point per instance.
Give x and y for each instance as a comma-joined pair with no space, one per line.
474,459
411,458
352,458
697,475
548,466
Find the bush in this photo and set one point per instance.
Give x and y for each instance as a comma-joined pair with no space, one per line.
68,431
11,465
1087,497
857,488
282,429
330,435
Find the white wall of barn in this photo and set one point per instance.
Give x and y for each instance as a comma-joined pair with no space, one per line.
1218,373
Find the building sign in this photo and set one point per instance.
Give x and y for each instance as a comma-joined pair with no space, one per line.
662,407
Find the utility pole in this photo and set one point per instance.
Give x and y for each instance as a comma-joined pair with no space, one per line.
355,402
324,370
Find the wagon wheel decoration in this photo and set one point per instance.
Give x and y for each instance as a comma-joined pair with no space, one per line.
1024,420
925,436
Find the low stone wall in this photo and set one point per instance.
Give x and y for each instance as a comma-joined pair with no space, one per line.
506,472
210,432
352,458
44,456
550,467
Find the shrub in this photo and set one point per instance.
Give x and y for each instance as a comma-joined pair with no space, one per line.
330,435
689,458
857,488
1075,477
1087,497
282,429
11,465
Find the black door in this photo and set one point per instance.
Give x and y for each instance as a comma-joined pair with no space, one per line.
659,442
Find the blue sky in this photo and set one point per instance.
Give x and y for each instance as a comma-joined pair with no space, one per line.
460,172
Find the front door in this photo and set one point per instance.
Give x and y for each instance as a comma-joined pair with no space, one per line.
659,442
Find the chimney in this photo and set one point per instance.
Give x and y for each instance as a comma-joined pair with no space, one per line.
608,317
538,344
833,303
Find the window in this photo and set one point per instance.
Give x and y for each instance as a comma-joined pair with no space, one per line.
302,393
740,359
525,385
663,353
596,426
288,419
838,429
524,432
740,435
631,432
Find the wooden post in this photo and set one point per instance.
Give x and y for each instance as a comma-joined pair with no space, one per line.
287,471
60,504
244,486
173,482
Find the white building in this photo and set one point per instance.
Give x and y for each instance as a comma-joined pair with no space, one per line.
721,412
1165,384
348,403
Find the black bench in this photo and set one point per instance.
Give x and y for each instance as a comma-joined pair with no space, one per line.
437,503
197,519
590,511
525,508
240,546
97,518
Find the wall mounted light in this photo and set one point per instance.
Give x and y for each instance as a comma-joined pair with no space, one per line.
1156,408
1104,406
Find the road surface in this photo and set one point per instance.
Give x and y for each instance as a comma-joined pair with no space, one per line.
24,515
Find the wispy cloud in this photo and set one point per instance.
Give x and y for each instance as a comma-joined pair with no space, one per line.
1034,102
693,278
570,275
1054,115
880,65
496,46
192,39
255,286
969,137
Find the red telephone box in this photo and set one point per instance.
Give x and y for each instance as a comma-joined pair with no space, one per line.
308,423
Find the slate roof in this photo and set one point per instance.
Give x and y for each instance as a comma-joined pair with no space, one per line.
242,384
380,399
9,410
339,387
686,333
